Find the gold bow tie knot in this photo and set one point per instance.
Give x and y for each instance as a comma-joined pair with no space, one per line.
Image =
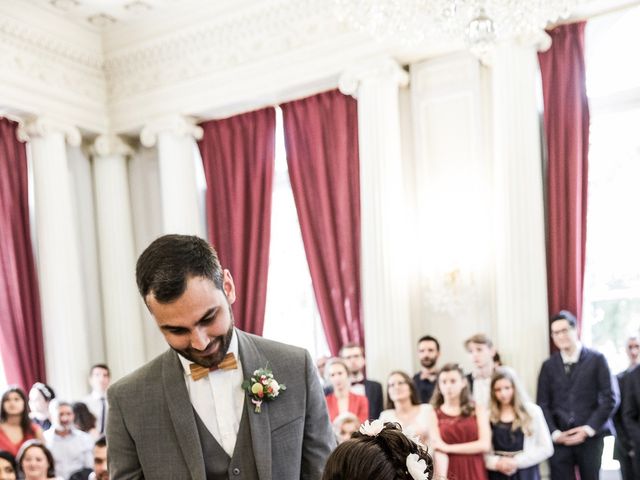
228,363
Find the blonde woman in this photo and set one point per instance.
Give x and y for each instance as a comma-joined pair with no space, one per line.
342,399
520,436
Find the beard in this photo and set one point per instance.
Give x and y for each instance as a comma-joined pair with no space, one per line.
212,359
428,362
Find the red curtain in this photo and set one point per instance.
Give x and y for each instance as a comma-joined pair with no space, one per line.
238,154
566,124
21,343
321,136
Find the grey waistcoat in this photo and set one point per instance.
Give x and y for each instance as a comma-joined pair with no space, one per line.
217,464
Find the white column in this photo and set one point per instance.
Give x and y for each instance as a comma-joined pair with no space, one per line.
174,137
61,289
385,294
123,329
521,284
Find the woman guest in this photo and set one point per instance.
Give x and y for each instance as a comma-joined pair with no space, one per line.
464,430
380,452
8,469
404,407
342,400
15,425
40,396
35,461
85,420
520,435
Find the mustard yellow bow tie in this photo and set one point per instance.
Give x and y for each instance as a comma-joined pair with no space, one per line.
228,363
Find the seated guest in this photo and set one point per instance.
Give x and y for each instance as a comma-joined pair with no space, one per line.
15,425
84,419
70,447
39,397
380,452
416,419
35,462
8,469
100,471
482,353
425,379
463,427
578,397
342,399
624,450
344,425
520,436
353,356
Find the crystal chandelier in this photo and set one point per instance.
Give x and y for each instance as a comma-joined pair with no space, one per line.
480,23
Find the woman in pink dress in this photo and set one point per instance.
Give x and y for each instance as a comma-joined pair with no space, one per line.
464,431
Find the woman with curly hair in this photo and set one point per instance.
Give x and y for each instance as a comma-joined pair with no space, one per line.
15,425
381,451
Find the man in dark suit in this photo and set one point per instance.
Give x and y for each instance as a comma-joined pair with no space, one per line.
578,397
186,414
353,356
425,379
631,414
623,450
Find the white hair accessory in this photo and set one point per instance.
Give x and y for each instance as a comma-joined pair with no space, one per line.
372,428
416,467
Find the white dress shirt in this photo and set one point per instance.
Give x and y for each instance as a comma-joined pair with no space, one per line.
95,401
71,452
218,399
482,391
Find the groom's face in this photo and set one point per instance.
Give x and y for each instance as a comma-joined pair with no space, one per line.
199,324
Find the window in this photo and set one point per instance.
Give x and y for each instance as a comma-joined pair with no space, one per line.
291,312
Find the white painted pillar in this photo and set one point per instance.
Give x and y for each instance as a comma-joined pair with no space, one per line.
385,295
58,257
123,329
174,137
521,284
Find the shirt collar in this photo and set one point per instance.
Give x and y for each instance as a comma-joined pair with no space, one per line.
233,348
572,358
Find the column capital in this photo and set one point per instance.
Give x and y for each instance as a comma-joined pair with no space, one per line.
174,124
378,67
44,126
107,145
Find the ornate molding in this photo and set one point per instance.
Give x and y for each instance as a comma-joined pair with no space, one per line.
175,125
43,127
381,67
108,145
233,40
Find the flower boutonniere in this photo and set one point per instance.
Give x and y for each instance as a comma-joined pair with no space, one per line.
262,387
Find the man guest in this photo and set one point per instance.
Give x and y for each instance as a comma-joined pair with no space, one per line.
186,414
425,379
353,356
578,397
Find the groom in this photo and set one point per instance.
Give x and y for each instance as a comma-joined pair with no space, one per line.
185,415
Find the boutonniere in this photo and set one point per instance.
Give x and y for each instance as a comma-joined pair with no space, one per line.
262,387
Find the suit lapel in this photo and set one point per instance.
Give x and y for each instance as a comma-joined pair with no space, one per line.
252,359
181,413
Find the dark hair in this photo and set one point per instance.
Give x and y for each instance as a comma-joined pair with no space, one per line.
351,345
565,315
165,266
25,421
51,471
383,457
429,338
84,419
101,441
9,458
45,390
412,387
467,407
103,366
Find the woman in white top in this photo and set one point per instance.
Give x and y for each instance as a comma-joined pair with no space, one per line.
404,408
521,439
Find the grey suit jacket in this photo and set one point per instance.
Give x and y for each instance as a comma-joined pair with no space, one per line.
151,429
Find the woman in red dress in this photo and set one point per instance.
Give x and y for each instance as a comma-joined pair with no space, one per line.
15,425
342,399
464,429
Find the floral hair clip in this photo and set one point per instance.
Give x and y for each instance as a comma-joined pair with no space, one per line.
416,467
372,428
